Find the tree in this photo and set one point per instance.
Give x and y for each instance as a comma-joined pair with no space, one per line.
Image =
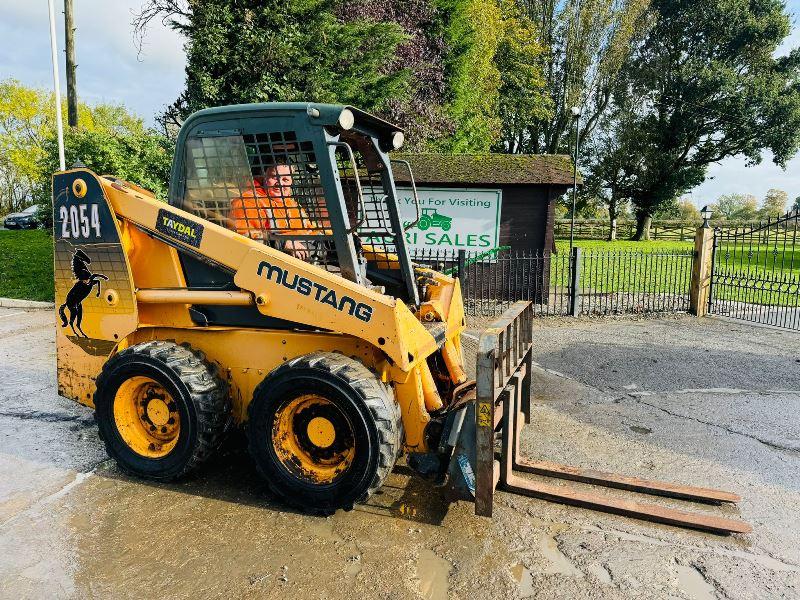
473,33
27,125
606,175
774,204
796,205
141,156
587,43
523,95
688,211
705,85
262,51
421,110
736,207
25,121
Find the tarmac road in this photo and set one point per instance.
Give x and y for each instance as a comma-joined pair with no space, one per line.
705,402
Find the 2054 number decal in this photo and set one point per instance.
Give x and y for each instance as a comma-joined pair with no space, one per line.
79,221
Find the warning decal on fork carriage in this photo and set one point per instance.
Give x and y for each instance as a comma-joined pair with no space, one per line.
94,301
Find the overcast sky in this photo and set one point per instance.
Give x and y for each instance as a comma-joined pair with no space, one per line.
109,70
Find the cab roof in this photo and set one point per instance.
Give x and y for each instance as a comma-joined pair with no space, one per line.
318,114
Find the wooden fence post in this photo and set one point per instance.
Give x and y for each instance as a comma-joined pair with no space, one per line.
700,286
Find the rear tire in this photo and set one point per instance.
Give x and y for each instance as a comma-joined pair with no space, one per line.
160,409
324,432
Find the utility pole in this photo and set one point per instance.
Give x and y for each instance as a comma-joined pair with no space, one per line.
69,48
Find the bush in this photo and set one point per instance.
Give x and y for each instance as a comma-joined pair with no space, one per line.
142,157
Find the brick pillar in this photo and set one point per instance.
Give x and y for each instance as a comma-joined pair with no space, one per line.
701,271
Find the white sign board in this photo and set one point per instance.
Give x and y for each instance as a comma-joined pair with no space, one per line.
452,219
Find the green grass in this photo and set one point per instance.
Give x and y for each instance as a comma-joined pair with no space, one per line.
759,274
26,265
656,267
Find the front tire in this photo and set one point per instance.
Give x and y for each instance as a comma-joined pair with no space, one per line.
323,431
160,409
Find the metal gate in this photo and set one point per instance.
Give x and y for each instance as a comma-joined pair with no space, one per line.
755,273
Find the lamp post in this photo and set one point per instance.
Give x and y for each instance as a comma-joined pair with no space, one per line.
706,213
576,116
56,86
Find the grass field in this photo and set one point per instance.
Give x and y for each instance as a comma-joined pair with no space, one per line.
26,265
760,274
656,267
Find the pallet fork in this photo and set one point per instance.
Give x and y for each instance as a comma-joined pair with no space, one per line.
502,406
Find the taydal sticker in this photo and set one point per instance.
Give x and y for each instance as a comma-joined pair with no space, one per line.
179,228
321,293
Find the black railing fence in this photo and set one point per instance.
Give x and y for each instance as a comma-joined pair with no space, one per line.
583,282
756,272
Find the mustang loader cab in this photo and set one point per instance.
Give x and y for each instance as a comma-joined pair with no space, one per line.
274,290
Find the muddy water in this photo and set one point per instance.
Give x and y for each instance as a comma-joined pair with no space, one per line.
219,536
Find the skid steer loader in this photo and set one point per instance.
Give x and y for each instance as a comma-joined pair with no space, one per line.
274,291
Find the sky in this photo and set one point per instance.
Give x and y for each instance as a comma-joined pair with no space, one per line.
110,69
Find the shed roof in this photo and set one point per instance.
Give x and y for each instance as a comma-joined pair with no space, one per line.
501,169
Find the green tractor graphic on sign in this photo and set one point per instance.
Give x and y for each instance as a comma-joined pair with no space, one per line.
431,218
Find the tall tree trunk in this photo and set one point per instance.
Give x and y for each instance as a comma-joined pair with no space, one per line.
612,216
643,222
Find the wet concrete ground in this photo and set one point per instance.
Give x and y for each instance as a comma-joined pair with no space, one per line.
703,402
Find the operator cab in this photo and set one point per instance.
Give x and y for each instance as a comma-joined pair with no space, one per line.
312,180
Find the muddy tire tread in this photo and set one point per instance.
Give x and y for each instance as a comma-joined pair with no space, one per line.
208,393
377,397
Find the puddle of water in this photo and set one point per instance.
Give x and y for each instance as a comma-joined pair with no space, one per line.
761,559
559,563
600,572
642,430
691,581
432,572
323,528
524,578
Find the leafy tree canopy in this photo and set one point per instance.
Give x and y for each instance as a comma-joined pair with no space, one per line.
280,50
774,204
736,207
705,85
27,139
520,59
473,34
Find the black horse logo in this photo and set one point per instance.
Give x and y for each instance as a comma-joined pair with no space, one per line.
82,288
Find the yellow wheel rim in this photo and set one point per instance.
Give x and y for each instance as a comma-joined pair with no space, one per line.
313,439
147,417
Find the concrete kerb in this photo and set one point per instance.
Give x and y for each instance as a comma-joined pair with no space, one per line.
17,303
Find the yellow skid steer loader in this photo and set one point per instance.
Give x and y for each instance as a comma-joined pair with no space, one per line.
275,291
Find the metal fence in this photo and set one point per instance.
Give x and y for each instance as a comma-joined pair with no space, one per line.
584,282
756,273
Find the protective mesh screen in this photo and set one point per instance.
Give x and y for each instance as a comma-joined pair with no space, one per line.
372,218
264,186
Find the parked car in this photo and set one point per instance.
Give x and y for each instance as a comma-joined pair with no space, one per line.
26,219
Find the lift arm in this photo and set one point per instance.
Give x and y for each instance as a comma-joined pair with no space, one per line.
282,286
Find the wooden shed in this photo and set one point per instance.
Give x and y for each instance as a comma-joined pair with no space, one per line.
529,186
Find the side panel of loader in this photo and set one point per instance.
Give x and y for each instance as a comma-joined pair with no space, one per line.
95,304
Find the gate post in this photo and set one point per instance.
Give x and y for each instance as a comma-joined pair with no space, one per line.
702,267
575,282
461,265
